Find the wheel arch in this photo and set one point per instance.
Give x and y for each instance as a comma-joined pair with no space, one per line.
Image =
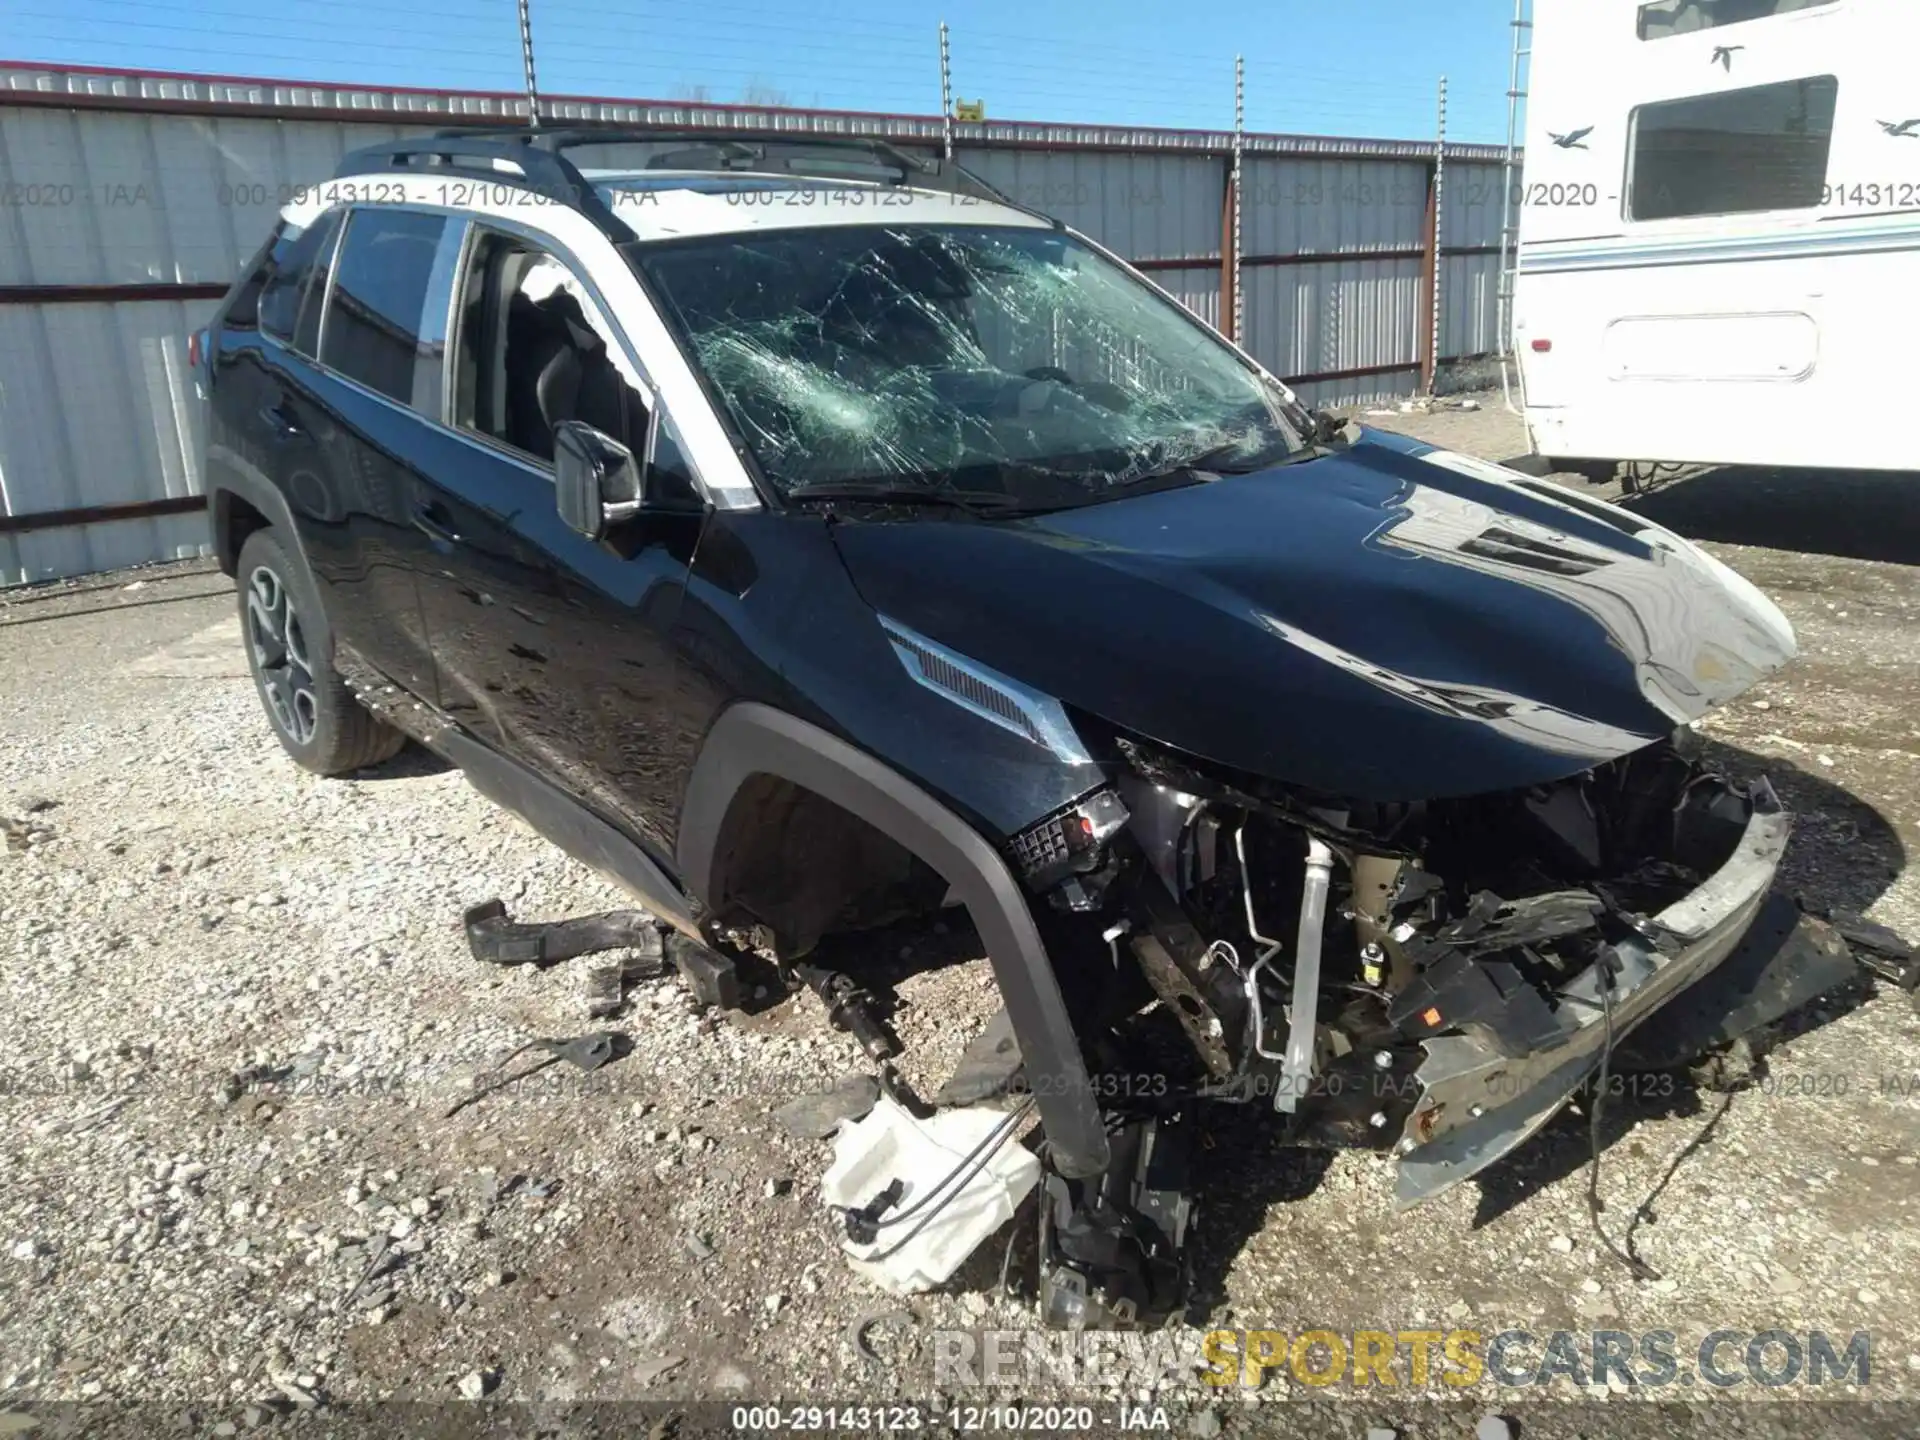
240,500
751,739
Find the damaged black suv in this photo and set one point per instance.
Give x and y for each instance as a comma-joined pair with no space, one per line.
804,534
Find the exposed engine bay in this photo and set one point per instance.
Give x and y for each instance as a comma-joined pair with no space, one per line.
1400,923
1433,979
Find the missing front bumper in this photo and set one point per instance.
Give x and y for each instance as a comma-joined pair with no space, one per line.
1477,1105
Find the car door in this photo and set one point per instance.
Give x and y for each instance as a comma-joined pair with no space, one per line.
379,387
284,417
555,649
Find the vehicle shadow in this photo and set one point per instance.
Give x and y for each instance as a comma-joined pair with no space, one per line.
1844,854
1567,1144
1244,1173
413,762
1858,514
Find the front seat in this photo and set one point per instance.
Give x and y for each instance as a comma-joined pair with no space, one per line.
543,375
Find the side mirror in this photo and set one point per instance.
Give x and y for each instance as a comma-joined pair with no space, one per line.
596,479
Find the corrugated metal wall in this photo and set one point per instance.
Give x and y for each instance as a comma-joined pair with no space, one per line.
96,406
1314,306
133,200
1470,259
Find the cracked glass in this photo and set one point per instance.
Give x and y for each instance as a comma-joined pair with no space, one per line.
1004,364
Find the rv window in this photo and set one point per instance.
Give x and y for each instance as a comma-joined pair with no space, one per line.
1682,17
1763,148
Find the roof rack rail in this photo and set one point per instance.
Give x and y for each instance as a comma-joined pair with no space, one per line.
535,158
494,156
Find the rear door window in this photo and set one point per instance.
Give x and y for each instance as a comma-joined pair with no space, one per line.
1761,148
290,300
386,323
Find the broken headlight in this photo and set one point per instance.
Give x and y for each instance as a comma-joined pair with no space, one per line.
1070,843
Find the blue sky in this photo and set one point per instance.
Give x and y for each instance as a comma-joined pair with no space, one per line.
1350,67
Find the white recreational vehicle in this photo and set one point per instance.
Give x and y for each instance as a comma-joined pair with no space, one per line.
1719,232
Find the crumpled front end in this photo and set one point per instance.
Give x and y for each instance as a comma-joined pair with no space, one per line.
1477,1102
1436,979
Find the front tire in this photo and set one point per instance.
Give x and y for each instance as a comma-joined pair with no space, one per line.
314,716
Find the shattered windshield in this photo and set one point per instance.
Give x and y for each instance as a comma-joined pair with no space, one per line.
1002,363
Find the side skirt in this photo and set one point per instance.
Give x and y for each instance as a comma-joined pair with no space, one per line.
568,824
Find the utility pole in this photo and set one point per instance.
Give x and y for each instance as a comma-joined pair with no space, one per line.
1239,154
946,94
1439,229
1517,87
526,64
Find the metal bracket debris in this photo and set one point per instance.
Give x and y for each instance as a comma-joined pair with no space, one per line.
81,1123
1879,950
376,1264
710,975
497,939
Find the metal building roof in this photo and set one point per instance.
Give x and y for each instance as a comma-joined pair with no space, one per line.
150,90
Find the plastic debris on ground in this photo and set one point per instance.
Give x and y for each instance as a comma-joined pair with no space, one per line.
922,1195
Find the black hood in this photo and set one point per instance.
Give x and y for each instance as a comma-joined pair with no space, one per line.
1389,622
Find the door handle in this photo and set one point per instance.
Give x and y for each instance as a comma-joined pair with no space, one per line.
433,521
283,425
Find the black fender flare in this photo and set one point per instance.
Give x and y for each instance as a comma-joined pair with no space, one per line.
754,739
230,476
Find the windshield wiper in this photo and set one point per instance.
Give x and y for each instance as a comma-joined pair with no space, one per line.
1210,464
1325,433
978,502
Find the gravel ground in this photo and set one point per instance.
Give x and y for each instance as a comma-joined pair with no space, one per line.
241,1005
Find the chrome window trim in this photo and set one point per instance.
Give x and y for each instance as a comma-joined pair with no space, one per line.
560,251
456,296
326,300
471,226
436,324
478,442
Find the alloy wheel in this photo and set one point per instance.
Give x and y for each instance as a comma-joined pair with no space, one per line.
279,648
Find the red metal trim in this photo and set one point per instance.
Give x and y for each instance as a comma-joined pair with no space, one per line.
1356,372
963,134
96,514
1318,257
1197,262
1329,257
1360,372
121,72
109,294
